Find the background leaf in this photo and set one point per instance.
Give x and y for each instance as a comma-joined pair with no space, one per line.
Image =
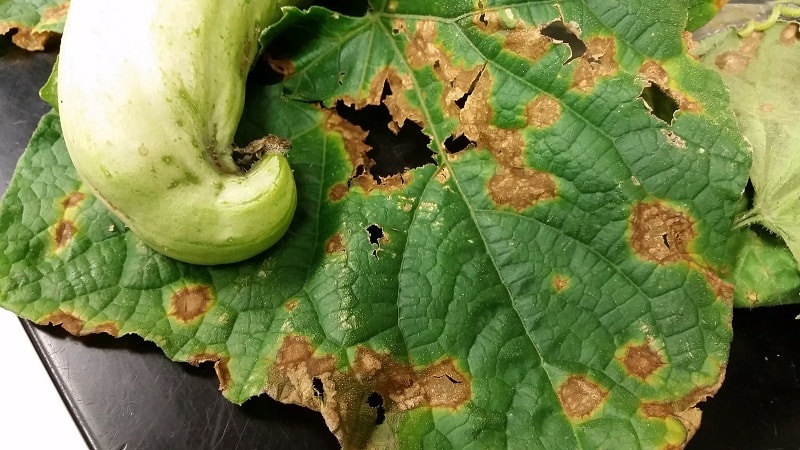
550,281
762,70
33,22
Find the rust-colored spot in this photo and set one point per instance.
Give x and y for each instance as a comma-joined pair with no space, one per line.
642,360
543,111
284,67
580,397
220,367
63,233
353,138
722,289
299,376
335,244
660,233
443,175
514,184
520,187
654,73
55,13
528,42
291,305
191,302
440,385
26,38
766,107
737,60
422,51
789,34
338,192
393,182
599,61
110,328
68,321
487,22
72,200
560,283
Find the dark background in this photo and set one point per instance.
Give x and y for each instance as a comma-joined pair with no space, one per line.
123,393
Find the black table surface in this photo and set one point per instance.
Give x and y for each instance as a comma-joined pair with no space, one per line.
124,394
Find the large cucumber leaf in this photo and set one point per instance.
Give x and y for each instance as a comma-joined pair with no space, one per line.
545,277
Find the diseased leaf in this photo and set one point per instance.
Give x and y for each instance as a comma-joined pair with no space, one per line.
762,70
545,275
33,22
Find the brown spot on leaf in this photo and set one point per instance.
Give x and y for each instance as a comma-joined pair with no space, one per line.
580,397
487,22
766,107
439,385
220,367
110,328
543,111
528,42
300,377
335,244
789,34
72,200
338,192
443,175
520,187
291,305
642,360
722,289
660,233
191,302
423,50
514,184
737,60
63,233
654,73
284,67
68,321
597,62
560,283
353,138
684,409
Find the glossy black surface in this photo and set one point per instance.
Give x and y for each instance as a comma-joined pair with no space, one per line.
124,393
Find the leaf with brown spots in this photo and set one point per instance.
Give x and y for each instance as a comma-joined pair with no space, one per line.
496,244
33,23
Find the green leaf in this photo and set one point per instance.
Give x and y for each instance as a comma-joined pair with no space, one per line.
765,272
702,11
34,21
553,284
762,71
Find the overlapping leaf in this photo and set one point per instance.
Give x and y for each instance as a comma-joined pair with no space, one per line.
552,284
761,71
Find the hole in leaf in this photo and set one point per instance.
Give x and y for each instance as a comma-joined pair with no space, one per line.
392,153
462,102
319,389
375,234
666,240
455,144
559,31
375,400
452,380
661,104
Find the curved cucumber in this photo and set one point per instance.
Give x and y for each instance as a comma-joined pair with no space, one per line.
150,95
